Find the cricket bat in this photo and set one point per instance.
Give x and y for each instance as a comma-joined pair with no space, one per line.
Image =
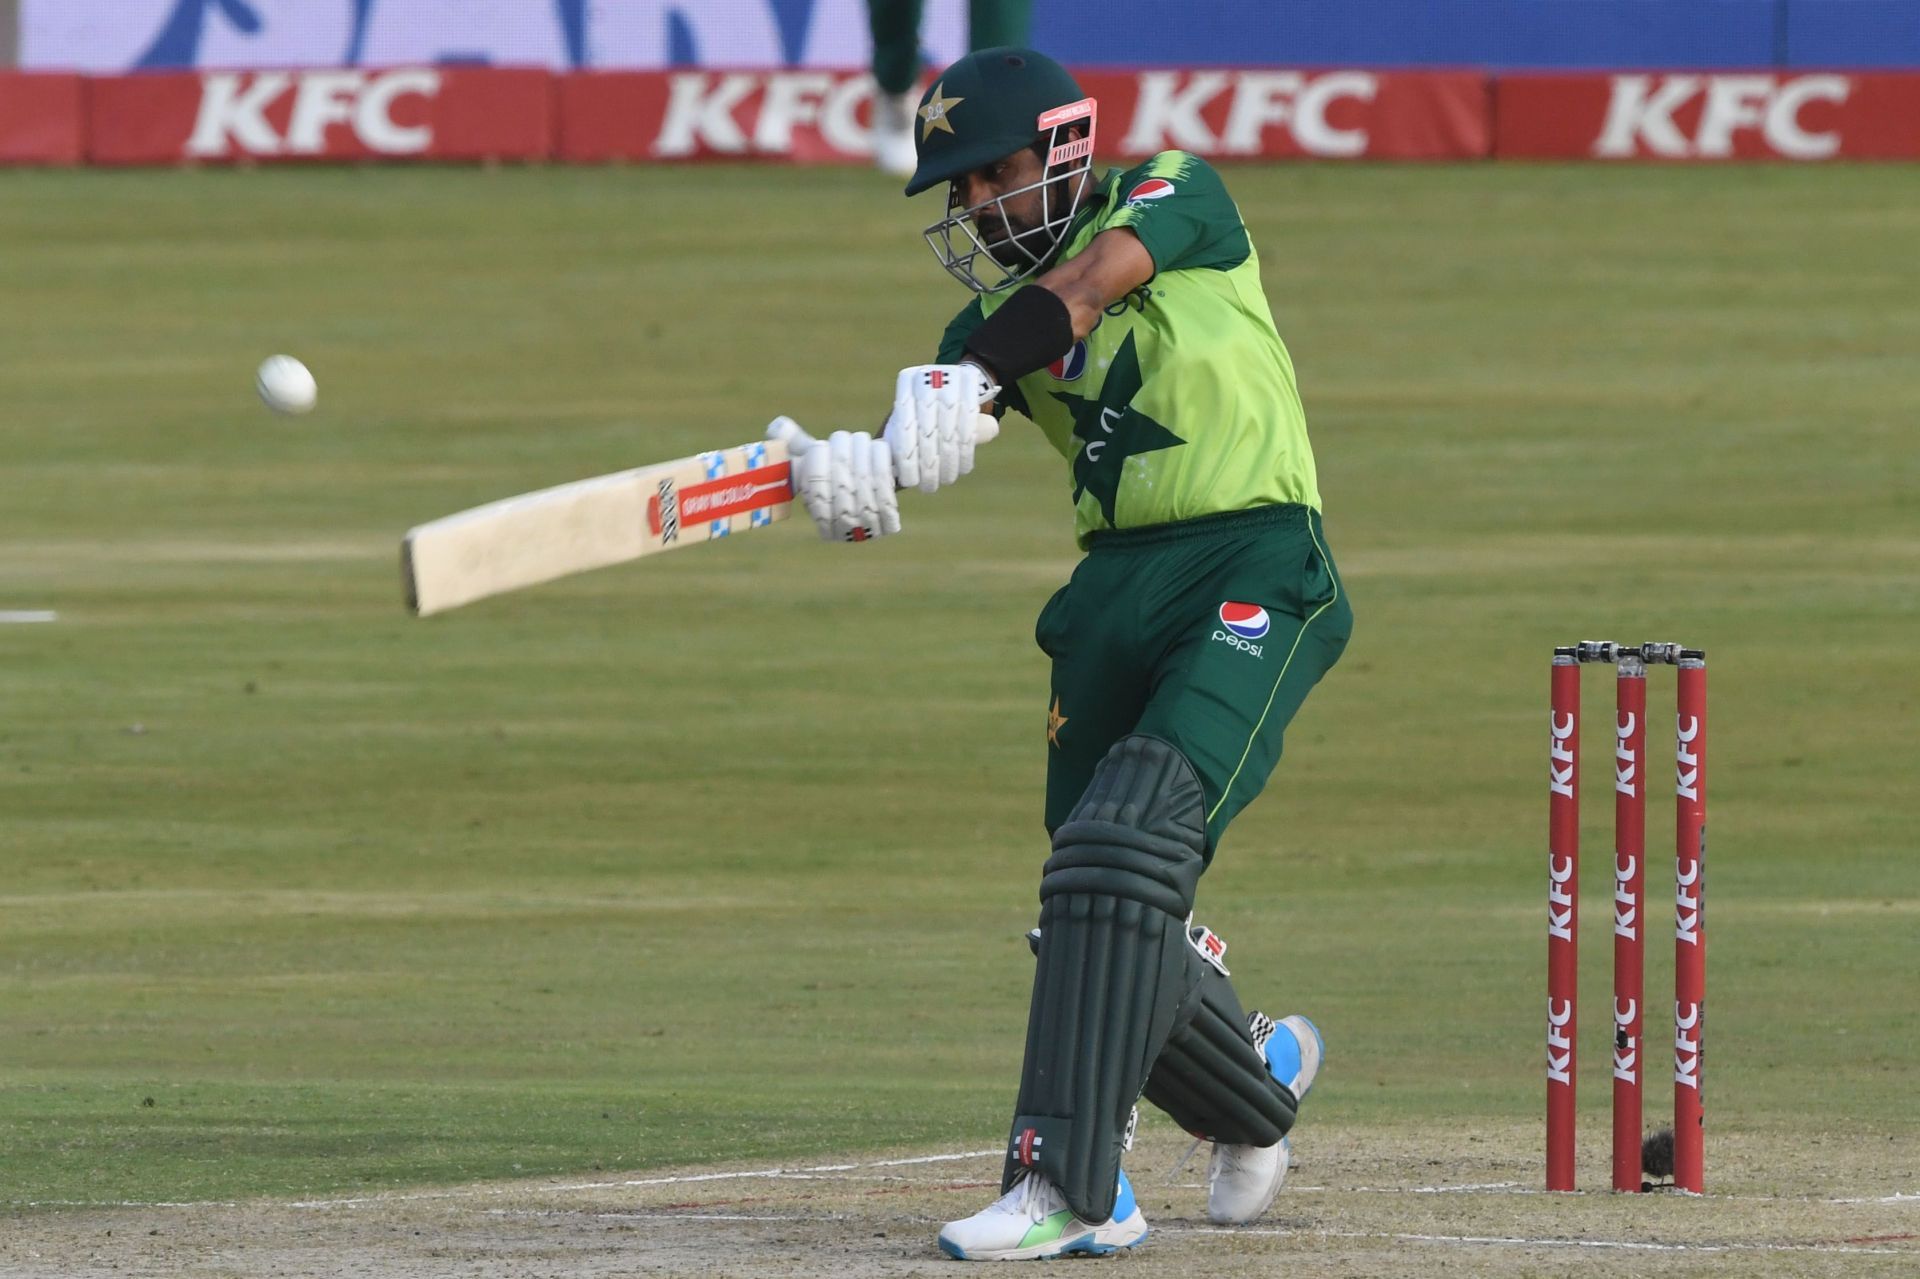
588,524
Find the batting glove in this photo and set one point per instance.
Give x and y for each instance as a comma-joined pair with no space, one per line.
936,422
845,481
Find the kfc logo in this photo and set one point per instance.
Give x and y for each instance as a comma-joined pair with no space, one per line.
237,112
1560,755
1626,1040
1174,108
754,112
1559,1042
1560,890
1685,117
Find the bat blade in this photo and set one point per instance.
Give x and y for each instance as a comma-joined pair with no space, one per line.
538,537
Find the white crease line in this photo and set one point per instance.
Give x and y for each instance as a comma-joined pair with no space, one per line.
834,1175
707,1216
663,1214
1519,1188
1636,1245
380,1199
767,1174
773,1173
937,1159
120,1203
1470,1188
26,616
1510,1241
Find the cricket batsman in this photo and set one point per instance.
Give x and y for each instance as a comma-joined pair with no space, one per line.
1123,315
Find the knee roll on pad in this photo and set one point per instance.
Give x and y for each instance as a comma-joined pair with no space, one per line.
1139,832
1214,1082
1116,975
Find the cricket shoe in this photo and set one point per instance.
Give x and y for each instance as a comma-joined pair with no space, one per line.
1243,1180
893,120
1032,1222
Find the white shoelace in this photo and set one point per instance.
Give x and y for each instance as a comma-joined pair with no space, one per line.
1027,1196
1181,1165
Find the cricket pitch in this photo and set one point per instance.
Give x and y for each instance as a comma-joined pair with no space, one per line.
1358,1203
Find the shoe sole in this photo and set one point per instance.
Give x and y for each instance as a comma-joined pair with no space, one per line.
1101,1241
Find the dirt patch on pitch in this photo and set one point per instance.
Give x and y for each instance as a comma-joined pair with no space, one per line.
1359,1204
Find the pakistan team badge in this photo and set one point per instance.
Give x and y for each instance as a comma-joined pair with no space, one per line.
1111,430
934,113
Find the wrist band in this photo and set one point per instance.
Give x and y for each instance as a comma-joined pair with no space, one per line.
1031,330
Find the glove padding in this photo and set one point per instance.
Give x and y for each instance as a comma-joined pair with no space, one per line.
936,422
845,481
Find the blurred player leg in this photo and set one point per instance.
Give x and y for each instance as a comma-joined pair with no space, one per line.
993,23
896,68
895,25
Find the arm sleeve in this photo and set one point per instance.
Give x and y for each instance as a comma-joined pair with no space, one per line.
953,346
1179,207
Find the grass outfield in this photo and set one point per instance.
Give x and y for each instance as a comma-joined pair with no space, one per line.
727,856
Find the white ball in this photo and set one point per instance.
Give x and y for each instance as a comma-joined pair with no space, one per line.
285,384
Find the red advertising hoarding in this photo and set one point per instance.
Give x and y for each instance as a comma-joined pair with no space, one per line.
802,116
1280,114
226,117
821,116
42,118
464,113
1708,116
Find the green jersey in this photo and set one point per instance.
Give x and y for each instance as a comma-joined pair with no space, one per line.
1181,402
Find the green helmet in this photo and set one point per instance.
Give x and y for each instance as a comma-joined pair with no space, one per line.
983,107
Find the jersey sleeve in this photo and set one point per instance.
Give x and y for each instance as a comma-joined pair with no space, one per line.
1179,207
953,345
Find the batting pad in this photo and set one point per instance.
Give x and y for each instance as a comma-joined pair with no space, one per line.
1116,974
1213,1080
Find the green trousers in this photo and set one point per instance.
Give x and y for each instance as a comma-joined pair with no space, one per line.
896,34
1207,634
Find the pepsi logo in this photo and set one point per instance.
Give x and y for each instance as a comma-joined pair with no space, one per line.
1248,621
1151,189
1071,366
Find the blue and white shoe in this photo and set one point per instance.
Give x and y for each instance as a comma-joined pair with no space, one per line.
1032,1222
1242,1181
